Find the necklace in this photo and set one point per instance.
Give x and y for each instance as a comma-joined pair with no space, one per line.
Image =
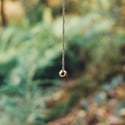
63,72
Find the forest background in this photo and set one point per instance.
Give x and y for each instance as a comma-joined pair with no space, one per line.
31,92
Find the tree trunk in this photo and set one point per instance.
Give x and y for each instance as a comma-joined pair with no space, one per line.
3,19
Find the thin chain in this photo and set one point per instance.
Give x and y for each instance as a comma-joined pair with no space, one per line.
63,36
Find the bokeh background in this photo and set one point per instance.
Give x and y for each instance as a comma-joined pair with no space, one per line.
31,92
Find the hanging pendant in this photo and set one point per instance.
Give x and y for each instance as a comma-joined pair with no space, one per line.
63,73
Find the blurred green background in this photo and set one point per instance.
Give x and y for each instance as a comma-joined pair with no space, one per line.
31,92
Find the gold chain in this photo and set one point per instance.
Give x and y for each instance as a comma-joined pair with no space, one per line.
63,36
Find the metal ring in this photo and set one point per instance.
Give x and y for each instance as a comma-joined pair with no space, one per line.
63,73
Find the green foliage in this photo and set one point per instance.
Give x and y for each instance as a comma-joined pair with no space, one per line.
30,59
34,10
